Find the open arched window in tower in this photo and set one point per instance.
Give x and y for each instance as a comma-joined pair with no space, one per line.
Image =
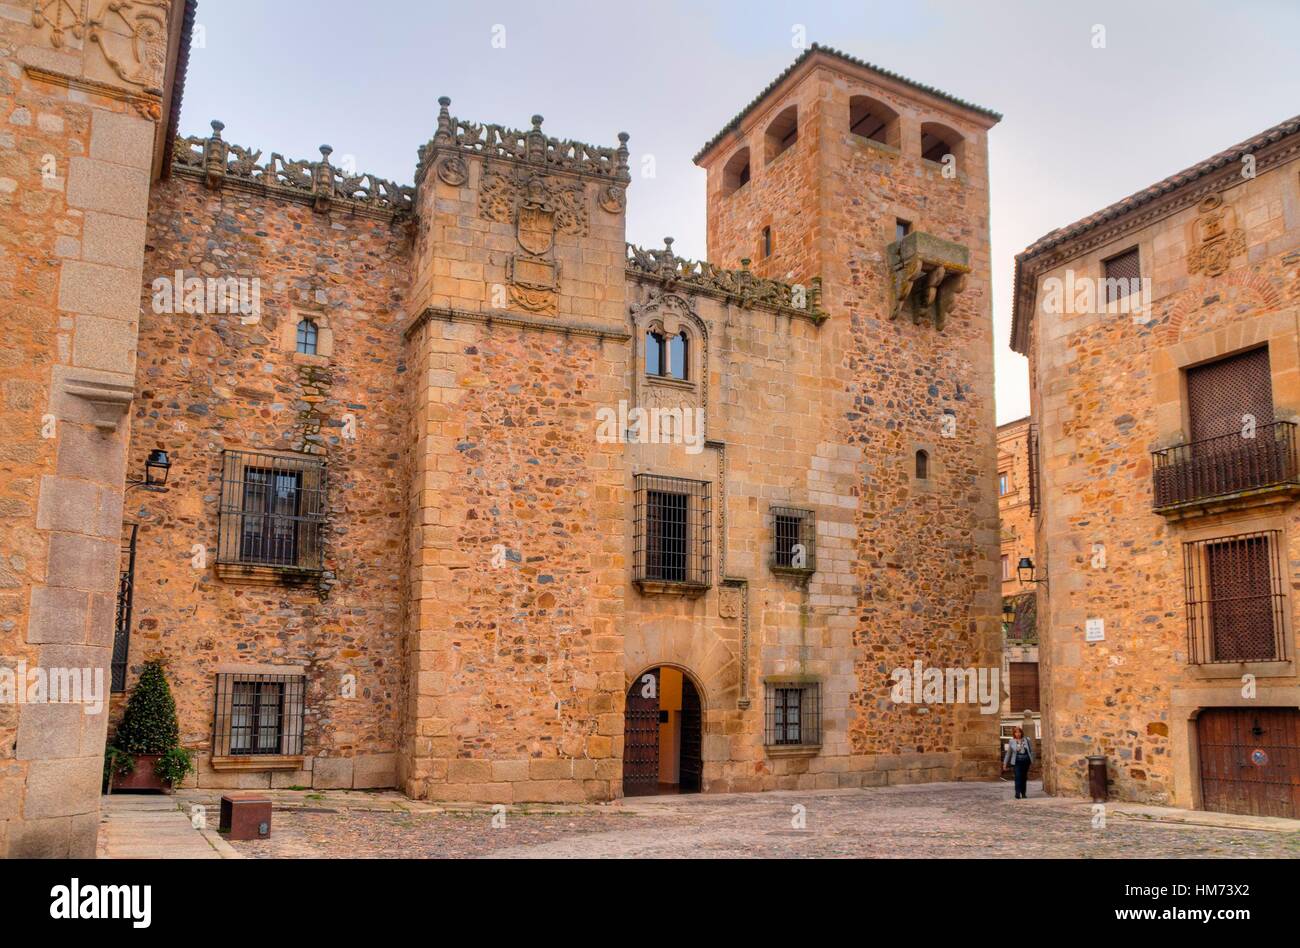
735,173
939,141
307,336
874,120
922,465
782,132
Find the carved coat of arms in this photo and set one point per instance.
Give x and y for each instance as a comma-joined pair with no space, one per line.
536,219
1215,238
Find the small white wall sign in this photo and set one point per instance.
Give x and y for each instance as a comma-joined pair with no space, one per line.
1095,630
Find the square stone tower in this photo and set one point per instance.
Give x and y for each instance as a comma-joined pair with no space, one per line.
880,185
517,525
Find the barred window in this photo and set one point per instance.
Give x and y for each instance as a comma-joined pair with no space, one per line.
673,531
793,714
922,465
1236,606
258,714
794,539
307,334
272,510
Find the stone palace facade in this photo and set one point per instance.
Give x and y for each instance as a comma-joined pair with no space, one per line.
467,496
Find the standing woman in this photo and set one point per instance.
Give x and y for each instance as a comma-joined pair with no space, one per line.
1019,755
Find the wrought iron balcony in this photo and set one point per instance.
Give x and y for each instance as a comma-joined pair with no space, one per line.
1227,468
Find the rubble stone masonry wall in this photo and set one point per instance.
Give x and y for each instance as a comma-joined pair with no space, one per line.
211,382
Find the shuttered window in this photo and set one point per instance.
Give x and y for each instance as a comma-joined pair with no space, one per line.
1024,687
1221,394
1122,272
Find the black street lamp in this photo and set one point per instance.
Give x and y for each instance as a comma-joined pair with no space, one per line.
1025,570
156,467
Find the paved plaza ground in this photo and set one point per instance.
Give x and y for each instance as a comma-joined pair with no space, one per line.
948,820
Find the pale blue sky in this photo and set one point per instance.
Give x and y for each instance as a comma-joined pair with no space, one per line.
1083,127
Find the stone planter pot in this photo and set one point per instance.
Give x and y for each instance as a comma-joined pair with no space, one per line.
143,777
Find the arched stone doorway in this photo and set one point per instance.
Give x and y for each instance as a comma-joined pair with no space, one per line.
662,734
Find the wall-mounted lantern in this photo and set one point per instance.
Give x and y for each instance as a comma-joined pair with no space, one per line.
1026,571
156,467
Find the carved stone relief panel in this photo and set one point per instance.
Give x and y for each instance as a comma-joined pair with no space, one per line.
133,37
1215,238
538,206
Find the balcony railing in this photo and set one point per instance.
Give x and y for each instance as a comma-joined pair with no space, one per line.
1225,466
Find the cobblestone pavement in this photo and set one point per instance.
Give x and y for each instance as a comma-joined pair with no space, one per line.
306,834
921,821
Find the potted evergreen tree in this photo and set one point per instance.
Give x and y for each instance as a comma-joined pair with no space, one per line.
149,735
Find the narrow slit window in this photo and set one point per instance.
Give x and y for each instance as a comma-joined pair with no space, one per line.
922,465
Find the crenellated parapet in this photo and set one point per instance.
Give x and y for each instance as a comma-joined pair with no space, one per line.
741,287
319,183
532,147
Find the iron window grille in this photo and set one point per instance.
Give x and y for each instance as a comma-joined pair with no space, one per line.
272,511
794,540
793,714
1035,494
1236,606
673,531
258,714
125,598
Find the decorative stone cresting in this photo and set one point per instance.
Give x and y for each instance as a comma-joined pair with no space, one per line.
928,273
316,182
532,147
735,286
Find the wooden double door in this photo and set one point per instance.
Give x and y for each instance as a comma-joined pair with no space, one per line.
1250,760
643,738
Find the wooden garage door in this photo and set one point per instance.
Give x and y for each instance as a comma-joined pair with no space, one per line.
1250,760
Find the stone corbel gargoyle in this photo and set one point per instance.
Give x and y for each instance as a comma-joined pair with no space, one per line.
928,272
